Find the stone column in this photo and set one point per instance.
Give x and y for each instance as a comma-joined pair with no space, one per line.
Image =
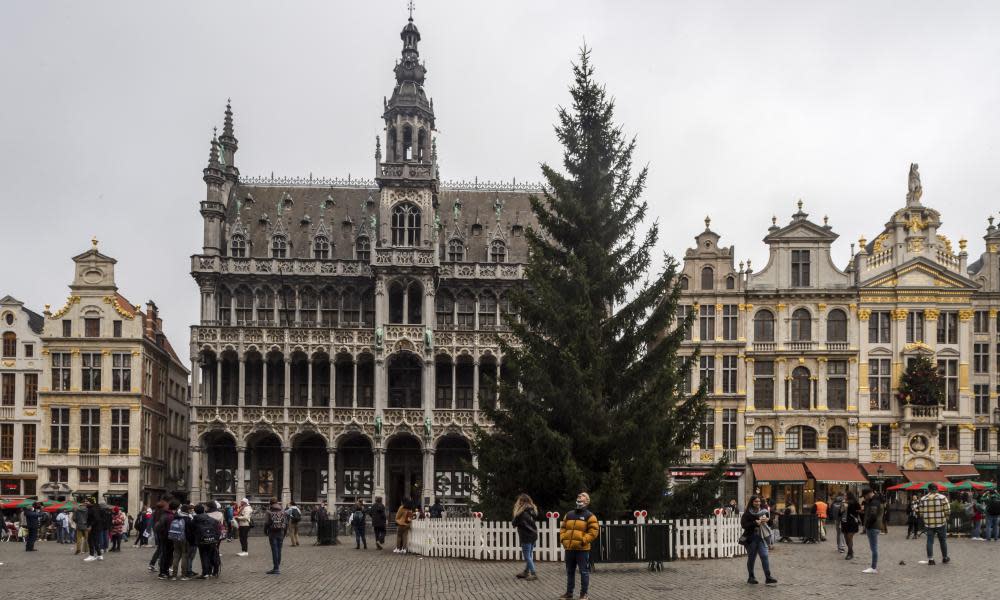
429,490
309,384
354,390
475,384
779,385
196,381
288,382
195,483
263,381
243,380
218,380
454,383
379,464
331,478
821,379
427,399
286,474
965,348
241,468
333,382
748,373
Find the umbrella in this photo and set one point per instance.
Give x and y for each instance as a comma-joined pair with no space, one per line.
26,503
976,486
916,486
54,506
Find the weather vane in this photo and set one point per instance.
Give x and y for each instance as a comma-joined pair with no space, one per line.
411,8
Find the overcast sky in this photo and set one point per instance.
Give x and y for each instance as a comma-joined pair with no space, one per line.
740,108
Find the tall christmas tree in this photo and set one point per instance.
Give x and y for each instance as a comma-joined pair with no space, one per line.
921,384
596,399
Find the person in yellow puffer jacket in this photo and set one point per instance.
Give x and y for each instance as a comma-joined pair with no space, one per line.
579,529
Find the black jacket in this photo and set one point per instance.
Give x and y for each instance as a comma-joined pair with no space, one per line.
378,516
202,522
873,513
95,520
527,529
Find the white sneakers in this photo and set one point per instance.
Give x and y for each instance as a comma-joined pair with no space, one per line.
870,571
398,551
242,554
100,557
90,558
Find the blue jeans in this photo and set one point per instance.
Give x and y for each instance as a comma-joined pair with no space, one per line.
977,528
574,559
359,536
29,543
992,527
529,557
872,533
758,547
942,535
276,541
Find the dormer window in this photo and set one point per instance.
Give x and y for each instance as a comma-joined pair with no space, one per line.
279,247
730,283
800,268
456,251
707,278
238,246
498,251
363,249
321,247
405,225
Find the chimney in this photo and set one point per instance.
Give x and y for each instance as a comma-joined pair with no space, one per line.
149,320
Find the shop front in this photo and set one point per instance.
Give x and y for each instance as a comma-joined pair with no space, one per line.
732,484
882,474
956,473
783,484
988,472
831,479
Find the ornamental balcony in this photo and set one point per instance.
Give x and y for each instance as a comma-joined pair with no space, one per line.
489,271
400,171
915,413
284,266
406,257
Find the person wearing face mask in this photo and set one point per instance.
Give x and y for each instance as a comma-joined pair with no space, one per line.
578,531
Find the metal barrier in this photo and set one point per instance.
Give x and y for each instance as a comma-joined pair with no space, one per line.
651,543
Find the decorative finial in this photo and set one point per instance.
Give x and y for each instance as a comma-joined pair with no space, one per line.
990,219
411,7
862,241
93,242
774,220
708,222
800,204
826,220
378,148
741,266
914,188
962,243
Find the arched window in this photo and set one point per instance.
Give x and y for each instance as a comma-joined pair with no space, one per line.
487,310
836,326
309,303
225,305
421,143
350,307
456,250
407,142
836,438
321,247
708,278
730,283
406,302
9,345
329,304
244,305
265,306
466,310
415,303
368,311
279,247
801,385
444,306
363,248
405,374
800,437
498,251
685,284
396,296
763,438
763,326
801,325
238,246
286,307
405,225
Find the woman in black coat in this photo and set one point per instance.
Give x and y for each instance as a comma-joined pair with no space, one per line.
851,522
754,518
525,514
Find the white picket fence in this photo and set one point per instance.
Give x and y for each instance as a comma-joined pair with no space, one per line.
715,537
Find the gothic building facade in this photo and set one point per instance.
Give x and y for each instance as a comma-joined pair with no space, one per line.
20,370
349,328
803,359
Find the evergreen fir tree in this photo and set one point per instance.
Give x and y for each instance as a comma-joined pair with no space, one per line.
921,383
600,385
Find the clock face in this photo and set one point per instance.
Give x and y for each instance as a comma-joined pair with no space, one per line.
918,443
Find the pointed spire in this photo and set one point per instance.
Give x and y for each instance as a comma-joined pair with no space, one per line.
227,127
213,153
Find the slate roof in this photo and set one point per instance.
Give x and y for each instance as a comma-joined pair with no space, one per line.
35,321
345,212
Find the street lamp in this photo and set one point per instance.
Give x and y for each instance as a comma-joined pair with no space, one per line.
880,475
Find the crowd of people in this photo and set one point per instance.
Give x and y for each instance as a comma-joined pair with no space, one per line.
94,528
849,515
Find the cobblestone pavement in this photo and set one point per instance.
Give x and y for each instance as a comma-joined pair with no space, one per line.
804,571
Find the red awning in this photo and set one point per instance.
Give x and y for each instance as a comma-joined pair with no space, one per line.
889,470
959,471
763,472
836,472
917,476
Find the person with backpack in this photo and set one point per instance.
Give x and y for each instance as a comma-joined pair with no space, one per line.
275,526
164,543
214,510
578,531
294,516
206,537
181,536
993,517
357,522
379,521
525,515
834,513
404,516
95,531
